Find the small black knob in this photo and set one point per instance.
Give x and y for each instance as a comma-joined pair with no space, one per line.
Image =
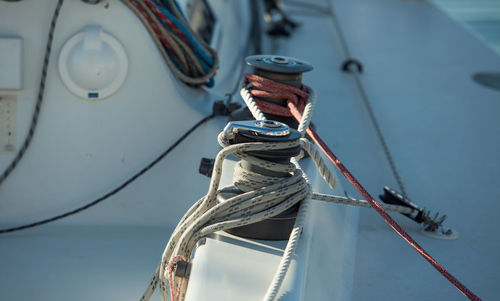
206,166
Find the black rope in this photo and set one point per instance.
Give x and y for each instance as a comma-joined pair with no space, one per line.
117,189
41,88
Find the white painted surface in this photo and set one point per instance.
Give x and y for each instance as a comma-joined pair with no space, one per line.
11,63
93,64
81,149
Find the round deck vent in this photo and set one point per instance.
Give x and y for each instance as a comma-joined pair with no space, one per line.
490,80
93,64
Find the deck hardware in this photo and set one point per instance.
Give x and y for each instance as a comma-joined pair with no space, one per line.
432,225
280,226
106,57
349,63
282,69
206,167
182,269
279,23
224,107
259,128
286,70
488,79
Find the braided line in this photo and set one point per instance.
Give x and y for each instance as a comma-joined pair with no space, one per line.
263,199
187,56
270,89
169,23
174,296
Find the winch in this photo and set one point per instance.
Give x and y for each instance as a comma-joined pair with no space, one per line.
278,227
281,69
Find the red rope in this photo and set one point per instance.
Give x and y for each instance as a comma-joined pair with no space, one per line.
155,28
175,292
167,21
268,88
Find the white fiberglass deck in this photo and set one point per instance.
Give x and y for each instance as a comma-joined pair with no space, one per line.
441,127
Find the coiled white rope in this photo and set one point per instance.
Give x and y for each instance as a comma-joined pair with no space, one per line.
263,197
291,246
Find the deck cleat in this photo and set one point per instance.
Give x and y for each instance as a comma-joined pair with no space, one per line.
279,23
432,226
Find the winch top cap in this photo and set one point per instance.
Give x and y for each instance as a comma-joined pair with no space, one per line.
278,63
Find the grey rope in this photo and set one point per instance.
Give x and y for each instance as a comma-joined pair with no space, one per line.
367,104
38,105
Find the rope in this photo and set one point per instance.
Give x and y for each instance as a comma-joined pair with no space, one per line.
117,189
270,87
189,58
171,268
291,246
358,203
38,105
263,197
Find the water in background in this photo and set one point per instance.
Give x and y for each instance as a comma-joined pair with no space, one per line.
482,17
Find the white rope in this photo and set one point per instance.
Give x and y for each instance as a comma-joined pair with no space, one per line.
323,169
262,197
252,106
359,203
309,147
308,111
291,246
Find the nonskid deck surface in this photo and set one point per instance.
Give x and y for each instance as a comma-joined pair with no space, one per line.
80,262
442,130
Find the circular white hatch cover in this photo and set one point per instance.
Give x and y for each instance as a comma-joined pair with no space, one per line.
93,64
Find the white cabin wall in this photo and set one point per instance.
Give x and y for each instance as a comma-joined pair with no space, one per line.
82,149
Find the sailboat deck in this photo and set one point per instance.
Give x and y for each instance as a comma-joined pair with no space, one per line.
442,129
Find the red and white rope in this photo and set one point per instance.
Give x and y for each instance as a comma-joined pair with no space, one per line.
263,87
